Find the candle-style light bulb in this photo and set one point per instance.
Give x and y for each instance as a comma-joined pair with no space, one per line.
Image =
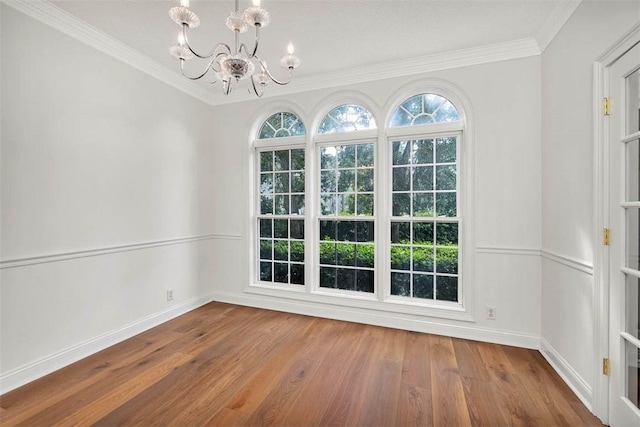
256,3
290,48
181,39
184,3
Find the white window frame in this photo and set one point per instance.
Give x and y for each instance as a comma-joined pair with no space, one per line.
276,144
380,300
365,136
417,132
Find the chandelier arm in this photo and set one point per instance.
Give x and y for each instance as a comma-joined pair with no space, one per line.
206,70
227,64
273,79
255,46
208,55
255,89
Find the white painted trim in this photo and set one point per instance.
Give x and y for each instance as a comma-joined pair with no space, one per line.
57,18
507,251
47,13
618,49
389,320
32,371
515,49
630,272
630,338
369,302
630,138
554,23
576,383
583,266
601,252
601,215
41,259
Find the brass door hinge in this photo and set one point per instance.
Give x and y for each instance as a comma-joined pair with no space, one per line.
606,107
606,237
606,368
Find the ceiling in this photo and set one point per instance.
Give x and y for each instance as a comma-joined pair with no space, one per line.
331,37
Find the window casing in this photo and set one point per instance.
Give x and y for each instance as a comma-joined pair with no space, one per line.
346,190
424,218
280,205
384,206
345,222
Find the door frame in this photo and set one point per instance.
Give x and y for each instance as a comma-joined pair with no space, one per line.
601,90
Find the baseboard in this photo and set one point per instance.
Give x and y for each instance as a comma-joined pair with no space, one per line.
385,319
32,371
576,383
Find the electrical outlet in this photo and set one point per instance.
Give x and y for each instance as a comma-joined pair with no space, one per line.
169,294
491,312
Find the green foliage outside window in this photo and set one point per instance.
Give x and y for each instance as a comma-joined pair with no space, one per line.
346,118
424,109
282,125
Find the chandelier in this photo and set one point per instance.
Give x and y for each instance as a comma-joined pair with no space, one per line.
222,62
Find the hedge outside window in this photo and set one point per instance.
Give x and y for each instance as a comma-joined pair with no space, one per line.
424,258
422,192
281,190
347,247
346,190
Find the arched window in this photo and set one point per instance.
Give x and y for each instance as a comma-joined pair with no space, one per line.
280,207
424,109
424,202
328,221
346,191
280,125
346,118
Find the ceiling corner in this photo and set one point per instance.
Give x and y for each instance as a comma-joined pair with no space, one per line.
554,23
49,14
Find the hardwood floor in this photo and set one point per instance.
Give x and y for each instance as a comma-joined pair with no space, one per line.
230,365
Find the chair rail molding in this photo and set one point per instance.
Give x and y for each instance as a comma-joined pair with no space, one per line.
63,256
576,264
498,250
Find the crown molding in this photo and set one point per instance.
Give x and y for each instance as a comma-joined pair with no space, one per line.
424,64
554,23
57,18
47,13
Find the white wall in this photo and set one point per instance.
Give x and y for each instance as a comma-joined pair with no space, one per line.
567,185
505,99
100,163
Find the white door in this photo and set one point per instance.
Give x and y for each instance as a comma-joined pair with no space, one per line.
624,258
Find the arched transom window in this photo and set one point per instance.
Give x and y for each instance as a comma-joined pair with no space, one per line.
280,125
424,109
346,118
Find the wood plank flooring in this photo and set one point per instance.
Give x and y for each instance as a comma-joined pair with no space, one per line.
227,365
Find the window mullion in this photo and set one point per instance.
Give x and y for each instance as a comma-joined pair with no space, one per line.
311,226
383,198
